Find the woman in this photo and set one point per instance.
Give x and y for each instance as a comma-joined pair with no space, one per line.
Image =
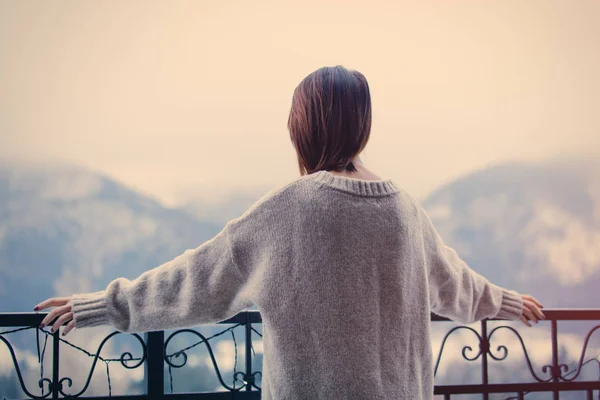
344,267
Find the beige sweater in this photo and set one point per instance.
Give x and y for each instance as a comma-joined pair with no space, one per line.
344,272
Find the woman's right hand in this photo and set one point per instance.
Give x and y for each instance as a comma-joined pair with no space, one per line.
531,310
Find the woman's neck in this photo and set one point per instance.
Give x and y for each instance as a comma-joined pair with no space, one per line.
362,172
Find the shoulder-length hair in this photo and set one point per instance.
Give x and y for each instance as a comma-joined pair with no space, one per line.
330,119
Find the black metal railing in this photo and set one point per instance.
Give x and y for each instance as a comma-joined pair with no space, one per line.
554,377
557,377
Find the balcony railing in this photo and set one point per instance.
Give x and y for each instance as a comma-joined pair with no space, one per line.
553,378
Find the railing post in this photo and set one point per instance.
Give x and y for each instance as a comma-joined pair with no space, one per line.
55,372
484,347
555,368
155,367
249,378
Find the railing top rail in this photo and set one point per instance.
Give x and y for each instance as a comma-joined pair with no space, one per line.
12,319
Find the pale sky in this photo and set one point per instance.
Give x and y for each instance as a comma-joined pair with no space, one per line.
185,99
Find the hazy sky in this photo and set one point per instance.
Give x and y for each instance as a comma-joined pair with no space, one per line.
191,98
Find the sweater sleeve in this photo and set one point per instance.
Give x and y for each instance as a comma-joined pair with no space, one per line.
456,291
200,286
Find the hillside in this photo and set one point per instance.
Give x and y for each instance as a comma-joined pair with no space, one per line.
534,228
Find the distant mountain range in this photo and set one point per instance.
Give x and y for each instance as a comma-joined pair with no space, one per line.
65,230
531,227
534,228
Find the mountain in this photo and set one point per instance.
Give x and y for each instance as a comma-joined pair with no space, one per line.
64,229
534,228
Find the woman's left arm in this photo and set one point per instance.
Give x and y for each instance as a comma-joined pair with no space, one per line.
201,286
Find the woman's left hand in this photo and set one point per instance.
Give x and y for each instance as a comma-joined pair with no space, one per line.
63,312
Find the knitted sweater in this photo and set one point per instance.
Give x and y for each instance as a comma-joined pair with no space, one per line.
344,272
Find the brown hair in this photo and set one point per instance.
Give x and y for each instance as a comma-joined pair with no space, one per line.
330,119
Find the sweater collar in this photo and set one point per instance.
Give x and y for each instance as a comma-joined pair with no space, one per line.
356,186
